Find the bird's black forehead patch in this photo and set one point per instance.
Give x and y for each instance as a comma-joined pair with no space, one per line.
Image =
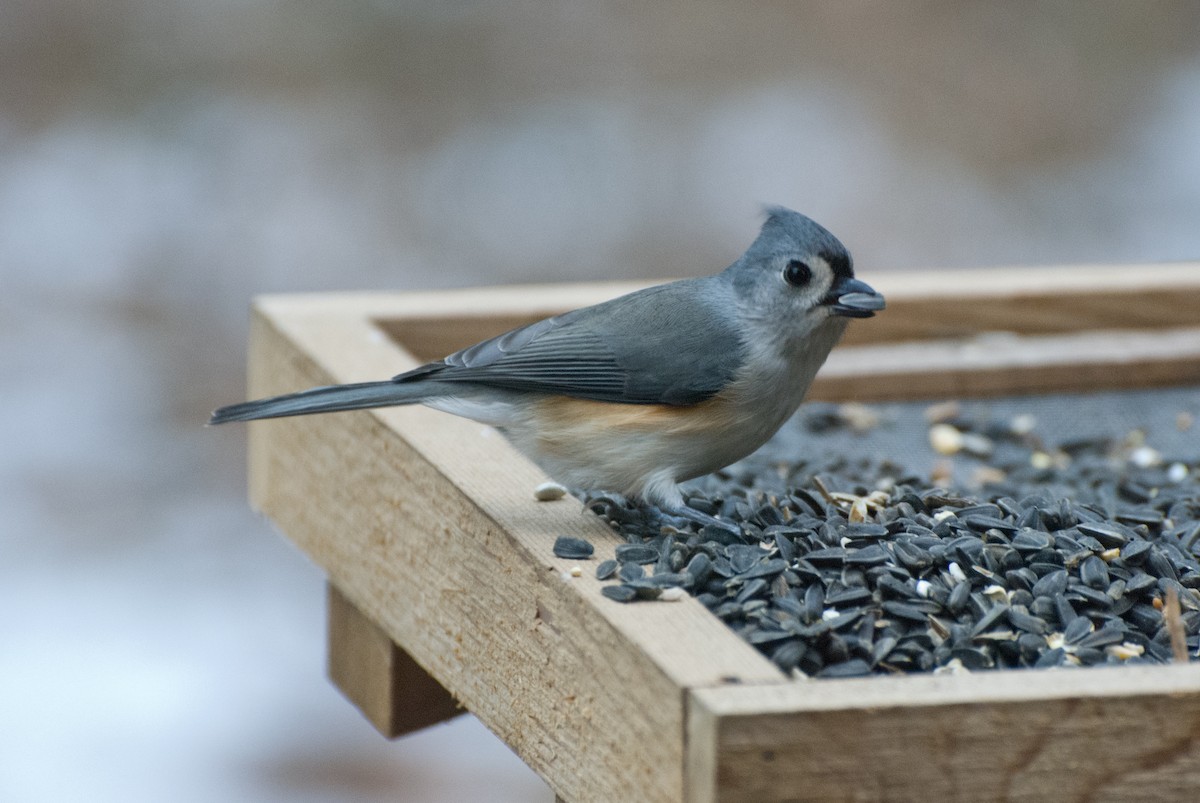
839,263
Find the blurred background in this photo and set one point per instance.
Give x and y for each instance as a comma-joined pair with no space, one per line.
162,161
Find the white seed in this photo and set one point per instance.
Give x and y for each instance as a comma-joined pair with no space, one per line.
858,511
952,667
943,411
1177,472
924,587
1022,424
672,594
549,491
1145,457
1110,555
1041,460
956,572
996,593
576,571
830,613
859,417
945,439
1125,651
942,515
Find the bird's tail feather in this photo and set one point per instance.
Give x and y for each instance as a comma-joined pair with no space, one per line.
327,399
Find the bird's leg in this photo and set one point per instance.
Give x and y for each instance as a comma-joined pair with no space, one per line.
662,492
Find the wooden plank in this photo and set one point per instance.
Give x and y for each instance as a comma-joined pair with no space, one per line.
1041,300
1011,365
945,334
927,305
1119,734
427,524
391,690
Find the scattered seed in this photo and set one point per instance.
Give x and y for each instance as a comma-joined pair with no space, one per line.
1022,424
956,572
946,439
630,572
1107,533
972,658
621,593
958,597
855,667
1023,620
549,491
1067,558
942,412
566,546
644,589
672,594
1145,456
1094,572
1125,651
1076,630
636,553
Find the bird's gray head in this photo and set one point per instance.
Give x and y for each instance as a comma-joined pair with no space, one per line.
797,276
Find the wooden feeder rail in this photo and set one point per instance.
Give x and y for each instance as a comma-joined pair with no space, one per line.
444,593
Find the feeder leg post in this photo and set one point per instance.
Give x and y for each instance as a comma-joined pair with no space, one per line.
391,690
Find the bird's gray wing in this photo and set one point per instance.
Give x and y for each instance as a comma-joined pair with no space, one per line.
669,344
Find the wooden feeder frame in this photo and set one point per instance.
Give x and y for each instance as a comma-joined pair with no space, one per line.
444,593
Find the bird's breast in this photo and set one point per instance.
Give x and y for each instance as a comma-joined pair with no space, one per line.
621,447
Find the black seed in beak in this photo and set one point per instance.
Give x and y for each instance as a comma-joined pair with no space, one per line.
854,299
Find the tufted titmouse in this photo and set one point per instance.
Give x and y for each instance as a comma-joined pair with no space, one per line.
642,392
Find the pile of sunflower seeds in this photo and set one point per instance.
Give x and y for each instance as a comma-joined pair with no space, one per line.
1084,553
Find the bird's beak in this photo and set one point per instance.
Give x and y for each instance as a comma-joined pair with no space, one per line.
853,299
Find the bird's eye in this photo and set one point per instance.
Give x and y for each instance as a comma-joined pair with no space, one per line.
797,273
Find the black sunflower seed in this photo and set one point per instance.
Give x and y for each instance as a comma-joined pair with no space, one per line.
566,546
855,667
1023,620
1050,584
630,572
636,553
1109,535
1094,572
987,579
621,593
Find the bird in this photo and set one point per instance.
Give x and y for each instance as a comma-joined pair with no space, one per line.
640,393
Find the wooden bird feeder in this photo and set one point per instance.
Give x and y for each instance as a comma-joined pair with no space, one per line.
444,593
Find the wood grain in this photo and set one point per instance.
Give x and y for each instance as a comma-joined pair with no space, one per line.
1040,300
1007,364
428,525
1116,734
391,690
928,305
